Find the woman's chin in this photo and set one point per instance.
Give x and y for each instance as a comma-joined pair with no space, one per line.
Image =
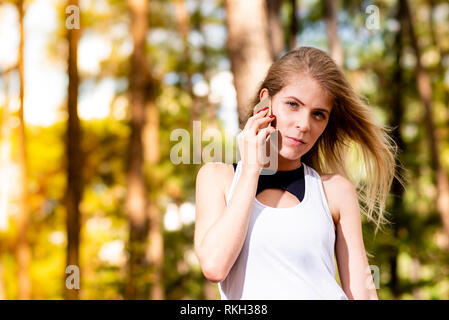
289,153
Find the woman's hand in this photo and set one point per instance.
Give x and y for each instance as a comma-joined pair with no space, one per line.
252,141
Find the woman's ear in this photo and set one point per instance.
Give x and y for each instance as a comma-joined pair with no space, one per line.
263,94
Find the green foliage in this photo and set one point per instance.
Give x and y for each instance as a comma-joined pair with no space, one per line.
413,240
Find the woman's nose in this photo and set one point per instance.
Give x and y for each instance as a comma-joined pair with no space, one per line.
303,123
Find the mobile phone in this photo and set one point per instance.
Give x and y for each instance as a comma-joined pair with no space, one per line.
265,102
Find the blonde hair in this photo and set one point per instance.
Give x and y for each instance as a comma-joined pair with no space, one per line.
351,122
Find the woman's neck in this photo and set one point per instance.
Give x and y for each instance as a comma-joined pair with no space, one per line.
286,164
283,164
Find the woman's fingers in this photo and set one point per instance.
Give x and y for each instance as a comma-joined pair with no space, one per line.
259,152
259,123
252,140
259,115
263,134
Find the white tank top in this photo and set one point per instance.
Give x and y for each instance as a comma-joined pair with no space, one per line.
288,253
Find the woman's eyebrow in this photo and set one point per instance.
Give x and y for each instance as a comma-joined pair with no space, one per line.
297,99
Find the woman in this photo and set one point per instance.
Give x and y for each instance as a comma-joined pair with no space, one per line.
278,245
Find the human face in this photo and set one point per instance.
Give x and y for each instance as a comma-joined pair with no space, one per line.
302,109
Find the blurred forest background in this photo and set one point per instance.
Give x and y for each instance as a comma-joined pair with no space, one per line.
86,116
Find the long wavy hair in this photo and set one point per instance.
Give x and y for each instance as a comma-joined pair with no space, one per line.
352,124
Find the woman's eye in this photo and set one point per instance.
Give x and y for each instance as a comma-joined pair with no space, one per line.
294,104
320,114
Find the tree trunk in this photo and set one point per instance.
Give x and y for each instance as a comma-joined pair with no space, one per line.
183,26
397,116
74,157
443,55
182,21
155,249
2,281
249,49
135,202
295,25
415,278
5,155
156,252
335,48
425,93
151,133
275,30
22,250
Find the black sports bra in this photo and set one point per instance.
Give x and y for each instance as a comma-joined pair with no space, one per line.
291,181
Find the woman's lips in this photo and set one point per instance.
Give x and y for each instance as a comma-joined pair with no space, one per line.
294,141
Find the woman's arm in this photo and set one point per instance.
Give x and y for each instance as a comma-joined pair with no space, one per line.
353,267
220,231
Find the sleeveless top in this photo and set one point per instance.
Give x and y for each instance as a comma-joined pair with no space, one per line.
288,253
291,181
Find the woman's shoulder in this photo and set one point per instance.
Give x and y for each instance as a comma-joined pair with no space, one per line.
215,167
336,180
334,185
219,172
